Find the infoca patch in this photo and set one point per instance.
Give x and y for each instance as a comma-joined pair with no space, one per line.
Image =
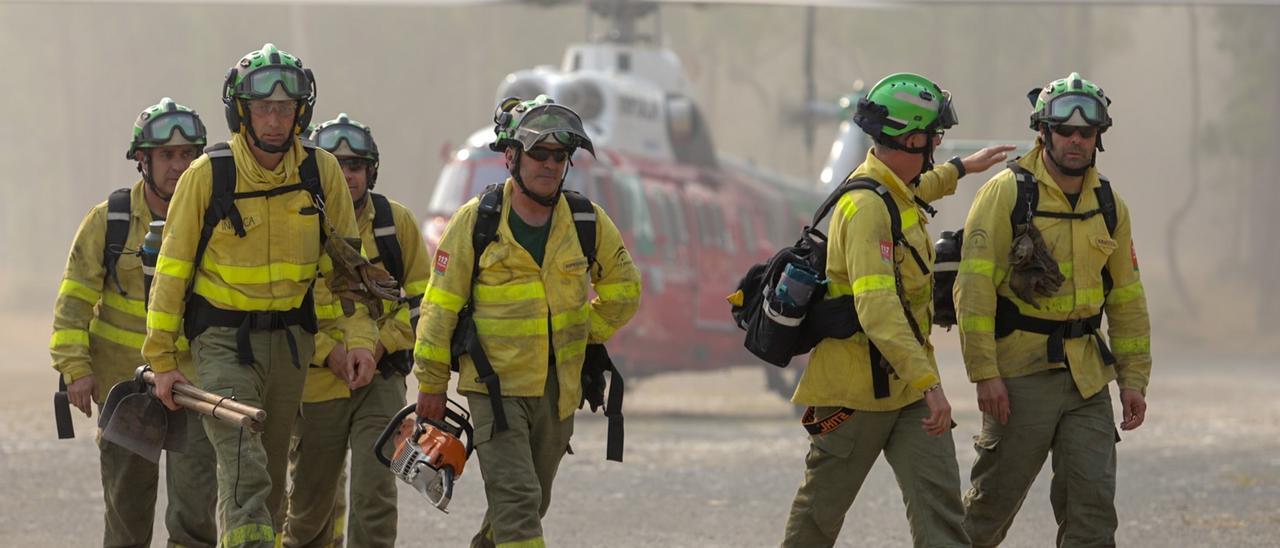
442,261
886,251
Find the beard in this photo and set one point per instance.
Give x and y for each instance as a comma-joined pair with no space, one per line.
1084,158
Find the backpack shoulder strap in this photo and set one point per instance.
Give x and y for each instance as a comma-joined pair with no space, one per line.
584,220
384,235
857,183
1107,203
222,201
119,214
1024,206
488,214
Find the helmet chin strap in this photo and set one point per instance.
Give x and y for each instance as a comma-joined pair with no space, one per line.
1068,171
274,149
149,180
545,201
926,164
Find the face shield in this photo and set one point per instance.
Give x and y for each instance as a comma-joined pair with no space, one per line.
947,113
552,121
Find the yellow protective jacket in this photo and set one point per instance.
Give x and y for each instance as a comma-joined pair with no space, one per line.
97,329
516,301
860,253
1082,248
269,269
394,326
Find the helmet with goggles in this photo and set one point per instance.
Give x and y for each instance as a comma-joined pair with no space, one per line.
268,74
526,123
166,124
903,103
1071,101
346,138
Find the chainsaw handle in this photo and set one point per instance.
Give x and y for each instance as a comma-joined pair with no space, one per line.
464,421
390,430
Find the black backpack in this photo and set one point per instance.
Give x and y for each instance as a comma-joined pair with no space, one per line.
776,332
597,361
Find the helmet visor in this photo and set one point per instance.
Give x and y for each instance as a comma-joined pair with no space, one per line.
552,121
330,138
259,83
159,130
1061,108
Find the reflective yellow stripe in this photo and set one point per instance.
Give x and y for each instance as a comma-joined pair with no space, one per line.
511,328
416,288
570,350
508,293
618,291
172,267
1131,345
274,272
444,299
846,206
571,318
910,218
239,301
535,542
1067,269
874,282
133,307
328,311
72,288
981,267
75,337
403,315
839,290
978,324
116,335
431,353
1091,297
601,328
246,534
1121,295
163,321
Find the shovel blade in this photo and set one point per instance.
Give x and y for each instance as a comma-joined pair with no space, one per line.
138,423
117,393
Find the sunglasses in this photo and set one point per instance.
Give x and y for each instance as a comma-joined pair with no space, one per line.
543,154
1085,132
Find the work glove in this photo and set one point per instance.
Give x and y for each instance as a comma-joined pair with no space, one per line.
355,279
1033,271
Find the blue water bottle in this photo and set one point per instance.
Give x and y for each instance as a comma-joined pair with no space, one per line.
795,286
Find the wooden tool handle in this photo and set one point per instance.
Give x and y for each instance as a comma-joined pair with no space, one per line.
221,402
220,413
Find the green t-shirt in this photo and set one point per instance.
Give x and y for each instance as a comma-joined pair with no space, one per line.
532,238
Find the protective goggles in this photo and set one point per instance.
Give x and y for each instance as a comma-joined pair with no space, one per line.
552,120
260,82
158,131
1061,109
358,140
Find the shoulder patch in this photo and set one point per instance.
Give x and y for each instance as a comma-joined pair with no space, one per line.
442,261
886,251
1133,255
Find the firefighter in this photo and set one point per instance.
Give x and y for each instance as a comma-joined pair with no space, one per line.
1047,249
337,411
100,322
527,294
878,391
252,221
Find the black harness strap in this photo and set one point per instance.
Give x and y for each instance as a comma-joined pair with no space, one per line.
119,215
201,314
392,258
1009,318
467,341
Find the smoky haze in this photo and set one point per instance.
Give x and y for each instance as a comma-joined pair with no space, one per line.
76,76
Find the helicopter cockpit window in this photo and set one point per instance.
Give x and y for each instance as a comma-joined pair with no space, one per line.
660,217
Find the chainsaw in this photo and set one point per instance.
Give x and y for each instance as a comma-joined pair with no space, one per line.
429,454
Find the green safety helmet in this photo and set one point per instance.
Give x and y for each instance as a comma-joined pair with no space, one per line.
166,124
1071,100
525,123
903,103
346,138
268,73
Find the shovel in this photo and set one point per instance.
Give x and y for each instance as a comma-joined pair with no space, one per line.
134,419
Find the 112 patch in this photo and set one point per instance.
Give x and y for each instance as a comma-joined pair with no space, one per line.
886,251
1133,255
442,261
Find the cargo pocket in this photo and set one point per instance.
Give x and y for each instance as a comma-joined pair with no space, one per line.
985,443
